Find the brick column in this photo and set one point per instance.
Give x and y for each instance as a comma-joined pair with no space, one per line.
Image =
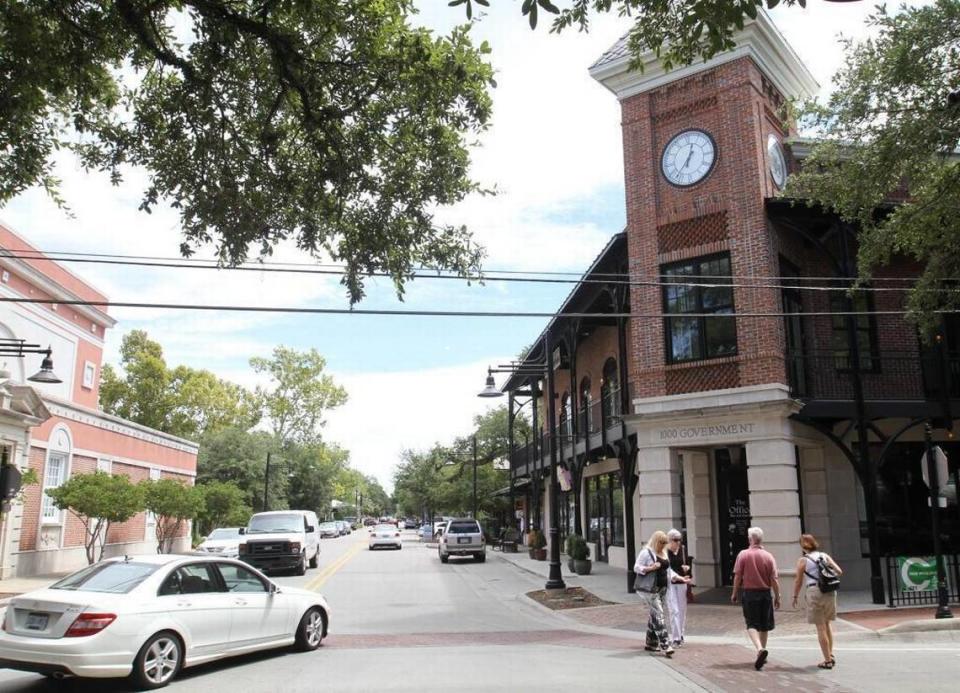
658,490
774,499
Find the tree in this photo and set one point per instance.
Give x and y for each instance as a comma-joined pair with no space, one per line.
313,469
98,500
679,31
172,503
890,122
298,395
183,401
239,457
332,123
224,505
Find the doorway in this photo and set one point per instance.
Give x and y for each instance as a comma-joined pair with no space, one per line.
733,506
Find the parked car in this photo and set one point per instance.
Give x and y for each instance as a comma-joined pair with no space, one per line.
462,537
344,527
412,523
150,616
223,541
328,529
385,535
281,540
369,522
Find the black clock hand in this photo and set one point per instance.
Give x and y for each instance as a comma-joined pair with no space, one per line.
689,156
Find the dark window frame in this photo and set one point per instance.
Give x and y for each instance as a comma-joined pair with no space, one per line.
869,361
729,309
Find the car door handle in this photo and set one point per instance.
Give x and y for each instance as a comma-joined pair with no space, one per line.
184,604
240,602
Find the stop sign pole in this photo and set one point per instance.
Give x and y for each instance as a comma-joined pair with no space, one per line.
943,606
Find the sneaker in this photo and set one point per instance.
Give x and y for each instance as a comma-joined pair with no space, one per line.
668,651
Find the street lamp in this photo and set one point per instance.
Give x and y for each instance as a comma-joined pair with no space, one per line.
555,578
19,348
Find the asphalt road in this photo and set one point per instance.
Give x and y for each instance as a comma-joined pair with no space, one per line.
402,621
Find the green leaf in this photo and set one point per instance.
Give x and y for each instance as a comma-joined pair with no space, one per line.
751,10
548,6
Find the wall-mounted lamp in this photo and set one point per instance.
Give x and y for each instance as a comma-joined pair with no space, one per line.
20,348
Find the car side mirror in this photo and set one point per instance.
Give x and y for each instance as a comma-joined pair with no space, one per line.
243,530
274,588
309,529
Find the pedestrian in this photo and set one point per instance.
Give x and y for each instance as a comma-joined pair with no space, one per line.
754,577
821,606
680,577
652,569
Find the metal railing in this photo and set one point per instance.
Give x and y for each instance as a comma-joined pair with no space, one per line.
922,587
914,376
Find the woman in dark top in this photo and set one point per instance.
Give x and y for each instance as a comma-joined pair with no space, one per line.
679,578
652,569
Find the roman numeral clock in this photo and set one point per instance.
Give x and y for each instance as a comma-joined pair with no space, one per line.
688,158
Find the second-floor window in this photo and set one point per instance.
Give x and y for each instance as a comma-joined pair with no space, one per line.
698,309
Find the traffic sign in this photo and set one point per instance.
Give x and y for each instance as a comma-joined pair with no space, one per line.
943,474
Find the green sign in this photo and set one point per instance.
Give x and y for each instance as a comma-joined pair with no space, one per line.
917,573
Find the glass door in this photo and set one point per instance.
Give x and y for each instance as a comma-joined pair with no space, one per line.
733,506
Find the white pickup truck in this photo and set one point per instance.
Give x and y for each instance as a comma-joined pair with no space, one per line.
462,537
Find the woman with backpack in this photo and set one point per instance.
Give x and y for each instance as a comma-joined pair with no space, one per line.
652,569
821,575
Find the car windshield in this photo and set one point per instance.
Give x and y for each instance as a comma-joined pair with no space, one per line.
117,577
275,523
220,534
328,525
463,528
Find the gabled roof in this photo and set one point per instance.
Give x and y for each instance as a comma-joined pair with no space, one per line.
615,52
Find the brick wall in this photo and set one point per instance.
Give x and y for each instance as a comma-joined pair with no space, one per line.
30,525
723,213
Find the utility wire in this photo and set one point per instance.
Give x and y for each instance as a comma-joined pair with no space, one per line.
725,280
442,313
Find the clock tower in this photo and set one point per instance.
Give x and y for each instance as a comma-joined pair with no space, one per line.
703,149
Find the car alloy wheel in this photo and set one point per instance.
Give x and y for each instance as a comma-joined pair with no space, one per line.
158,661
310,630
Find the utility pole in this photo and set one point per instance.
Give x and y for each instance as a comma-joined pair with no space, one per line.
474,477
266,484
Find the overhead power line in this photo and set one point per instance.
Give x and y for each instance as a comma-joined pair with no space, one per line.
702,281
226,308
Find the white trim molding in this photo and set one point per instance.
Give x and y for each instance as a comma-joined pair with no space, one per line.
759,40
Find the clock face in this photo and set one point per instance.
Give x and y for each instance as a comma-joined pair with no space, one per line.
778,164
688,158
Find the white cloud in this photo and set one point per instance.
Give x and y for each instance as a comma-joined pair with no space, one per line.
389,412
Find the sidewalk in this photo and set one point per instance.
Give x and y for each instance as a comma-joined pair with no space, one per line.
11,587
713,615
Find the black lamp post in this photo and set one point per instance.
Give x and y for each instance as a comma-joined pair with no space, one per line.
19,348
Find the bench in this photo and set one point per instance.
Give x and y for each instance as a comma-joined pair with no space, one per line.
508,541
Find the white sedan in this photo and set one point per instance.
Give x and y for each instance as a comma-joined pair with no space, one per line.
385,535
223,541
149,616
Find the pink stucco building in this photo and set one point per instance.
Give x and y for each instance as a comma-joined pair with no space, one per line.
58,429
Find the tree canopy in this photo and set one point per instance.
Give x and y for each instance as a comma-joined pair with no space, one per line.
298,394
181,401
890,123
332,123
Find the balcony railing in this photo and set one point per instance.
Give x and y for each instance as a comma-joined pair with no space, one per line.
916,376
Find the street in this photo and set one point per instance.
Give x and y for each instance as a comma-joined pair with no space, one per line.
402,621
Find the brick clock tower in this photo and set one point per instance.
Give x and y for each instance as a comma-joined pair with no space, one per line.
703,150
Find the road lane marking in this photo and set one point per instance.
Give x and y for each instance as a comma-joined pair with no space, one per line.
317,582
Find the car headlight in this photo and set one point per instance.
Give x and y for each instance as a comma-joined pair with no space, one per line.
294,547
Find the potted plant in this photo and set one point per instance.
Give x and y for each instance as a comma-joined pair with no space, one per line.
569,551
580,554
537,543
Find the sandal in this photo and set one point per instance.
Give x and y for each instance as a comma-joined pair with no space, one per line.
833,660
825,665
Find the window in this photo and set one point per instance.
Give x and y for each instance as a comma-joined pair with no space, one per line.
610,393
866,333
116,577
565,415
239,579
190,579
710,330
105,466
586,406
89,374
54,474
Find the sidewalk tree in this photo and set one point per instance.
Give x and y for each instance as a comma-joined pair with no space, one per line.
181,401
172,503
313,470
224,505
98,500
333,124
894,120
298,394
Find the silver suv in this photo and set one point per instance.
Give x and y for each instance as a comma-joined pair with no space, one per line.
462,537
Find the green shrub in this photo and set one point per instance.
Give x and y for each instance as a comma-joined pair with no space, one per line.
577,548
535,539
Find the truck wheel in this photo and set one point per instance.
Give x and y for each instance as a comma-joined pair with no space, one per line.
302,565
315,561
480,557
443,559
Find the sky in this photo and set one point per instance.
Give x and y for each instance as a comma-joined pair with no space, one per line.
554,154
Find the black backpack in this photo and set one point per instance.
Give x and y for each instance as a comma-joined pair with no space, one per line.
828,581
